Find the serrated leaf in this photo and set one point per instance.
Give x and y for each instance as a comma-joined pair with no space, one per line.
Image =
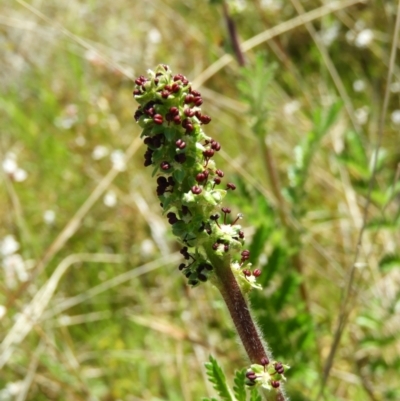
254,396
240,388
389,261
217,377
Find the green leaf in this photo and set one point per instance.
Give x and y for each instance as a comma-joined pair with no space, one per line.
258,242
217,377
254,396
240,388
389,261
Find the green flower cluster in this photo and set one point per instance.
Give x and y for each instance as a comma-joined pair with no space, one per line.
189,183
268,375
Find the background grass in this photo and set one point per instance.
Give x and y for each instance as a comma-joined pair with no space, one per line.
119,322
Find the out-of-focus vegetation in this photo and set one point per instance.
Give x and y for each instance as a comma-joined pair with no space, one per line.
92,305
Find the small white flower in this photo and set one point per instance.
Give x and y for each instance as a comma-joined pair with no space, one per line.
110,199
8,246
49,216
154,36
395,87
10,166
396,117
3,311
329,35
361,115
20,175
291,107
99,152
118,160
359,85
364,38
15,263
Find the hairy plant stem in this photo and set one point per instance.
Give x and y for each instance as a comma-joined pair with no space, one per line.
242,319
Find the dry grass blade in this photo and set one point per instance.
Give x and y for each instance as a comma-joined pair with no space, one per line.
33,312
73,224
271,33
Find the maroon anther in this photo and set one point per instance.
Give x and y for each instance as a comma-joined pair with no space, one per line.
180,158
215,246
214,217
226,248
220,173
180,144
189,128
215,145
208,153
217,180
264,361
247,272
230,186
257,273
158,119
172,219
200,177
138,114
189,112
182,266
177,120
165,166
275,384
245,255
175,88
226,210
241,234
195,93
198,101
162,181
204,119
137,92
189,99
165,94
167,87
279,368
251,375
196,190
150,111
174,111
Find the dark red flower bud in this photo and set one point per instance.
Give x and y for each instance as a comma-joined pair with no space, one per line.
200,177
205,119
174,111
208,153
189,128
165,166
189,99
231,186
189,112
177,119
195,93
241,234
165,94
275,384
175,88
247,272
217,180
257,273
264,361
198,101
226,248
180,158
180,144
215,246
196,190
215,145
158,119
219,173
